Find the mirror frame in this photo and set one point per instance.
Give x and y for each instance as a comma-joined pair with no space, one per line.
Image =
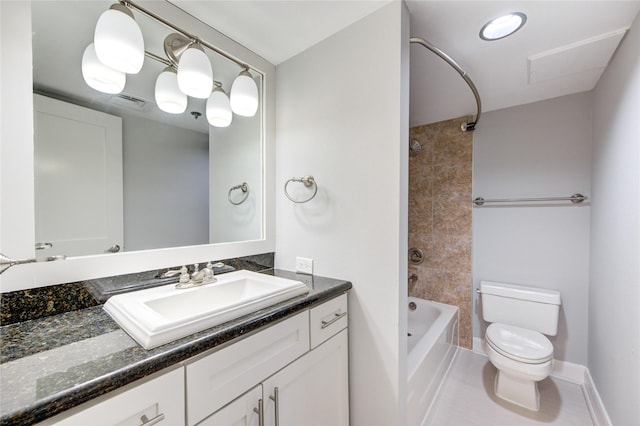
17,229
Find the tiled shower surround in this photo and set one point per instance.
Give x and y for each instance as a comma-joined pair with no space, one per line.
440,216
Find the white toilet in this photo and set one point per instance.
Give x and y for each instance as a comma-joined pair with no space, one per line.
514,341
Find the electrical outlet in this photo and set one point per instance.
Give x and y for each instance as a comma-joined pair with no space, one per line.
304,265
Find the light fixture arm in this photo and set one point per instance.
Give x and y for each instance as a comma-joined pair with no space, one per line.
190,37
175,44
160,59
122,7
465,126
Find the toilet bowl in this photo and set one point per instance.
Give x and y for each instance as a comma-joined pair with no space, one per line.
514,341
522,357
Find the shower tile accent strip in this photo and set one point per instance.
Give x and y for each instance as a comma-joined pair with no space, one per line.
25,305
440,216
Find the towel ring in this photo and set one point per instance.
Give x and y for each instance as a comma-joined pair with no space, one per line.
307,181
245,190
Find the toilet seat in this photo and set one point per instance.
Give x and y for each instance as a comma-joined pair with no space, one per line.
519,344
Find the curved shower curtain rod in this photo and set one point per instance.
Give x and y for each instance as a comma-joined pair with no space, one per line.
465,126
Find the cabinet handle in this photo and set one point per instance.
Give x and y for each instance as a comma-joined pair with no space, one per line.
260,412
148,422
276,399
337,316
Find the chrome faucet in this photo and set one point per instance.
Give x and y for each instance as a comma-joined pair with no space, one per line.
198,277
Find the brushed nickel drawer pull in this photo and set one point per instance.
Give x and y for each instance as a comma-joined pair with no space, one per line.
276,400
148,422
337,316
260,412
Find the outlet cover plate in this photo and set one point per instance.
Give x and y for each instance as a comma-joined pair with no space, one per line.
304,265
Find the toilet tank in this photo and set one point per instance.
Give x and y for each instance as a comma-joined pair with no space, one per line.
526,307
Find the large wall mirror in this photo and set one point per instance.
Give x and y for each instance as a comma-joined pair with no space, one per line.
167,187
177,170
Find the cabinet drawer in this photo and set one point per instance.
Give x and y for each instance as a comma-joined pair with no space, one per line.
217,379
157,401
328,319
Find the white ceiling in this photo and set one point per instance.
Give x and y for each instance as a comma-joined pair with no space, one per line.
278,30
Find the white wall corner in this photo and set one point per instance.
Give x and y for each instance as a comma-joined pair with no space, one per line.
477,346
568,371
594,403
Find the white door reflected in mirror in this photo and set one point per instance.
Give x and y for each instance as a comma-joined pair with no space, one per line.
78,179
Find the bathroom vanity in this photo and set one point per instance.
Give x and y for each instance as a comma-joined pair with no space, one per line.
286,364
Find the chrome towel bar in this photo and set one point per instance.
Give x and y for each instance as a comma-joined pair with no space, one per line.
575,199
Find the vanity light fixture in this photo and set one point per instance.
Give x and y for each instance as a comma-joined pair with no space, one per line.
118,40
195,76
503,26
244,94
218,107
119,49
99,76
168,96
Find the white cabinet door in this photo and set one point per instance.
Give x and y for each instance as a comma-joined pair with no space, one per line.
216,379
244,411
78,179
313,390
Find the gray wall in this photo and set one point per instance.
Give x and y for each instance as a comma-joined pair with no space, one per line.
614,299
166,185
541,149
342,116
236,157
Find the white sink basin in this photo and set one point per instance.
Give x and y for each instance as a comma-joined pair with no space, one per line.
163,314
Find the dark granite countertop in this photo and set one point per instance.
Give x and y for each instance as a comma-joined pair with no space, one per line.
51,364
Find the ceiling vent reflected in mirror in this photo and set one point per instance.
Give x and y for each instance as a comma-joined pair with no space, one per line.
131,102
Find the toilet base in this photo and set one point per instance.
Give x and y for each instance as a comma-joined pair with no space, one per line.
517,391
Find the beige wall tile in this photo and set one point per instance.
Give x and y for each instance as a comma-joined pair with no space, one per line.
451,181
440,183
452,217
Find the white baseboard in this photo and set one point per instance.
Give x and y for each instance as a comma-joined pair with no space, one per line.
477,346
563,370
568,371
596,407
573,373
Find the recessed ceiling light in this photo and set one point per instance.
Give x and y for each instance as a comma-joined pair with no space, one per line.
503,26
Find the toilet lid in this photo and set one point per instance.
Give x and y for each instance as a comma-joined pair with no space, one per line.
519,344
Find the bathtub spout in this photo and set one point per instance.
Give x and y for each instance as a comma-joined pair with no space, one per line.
413,278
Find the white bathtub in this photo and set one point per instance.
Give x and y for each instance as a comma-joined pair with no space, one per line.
432,344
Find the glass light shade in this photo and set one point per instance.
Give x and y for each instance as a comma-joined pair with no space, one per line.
99,76
168,96
503,26
218,109
244,95
119,42
195,76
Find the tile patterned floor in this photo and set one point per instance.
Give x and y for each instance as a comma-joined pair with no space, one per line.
466,398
